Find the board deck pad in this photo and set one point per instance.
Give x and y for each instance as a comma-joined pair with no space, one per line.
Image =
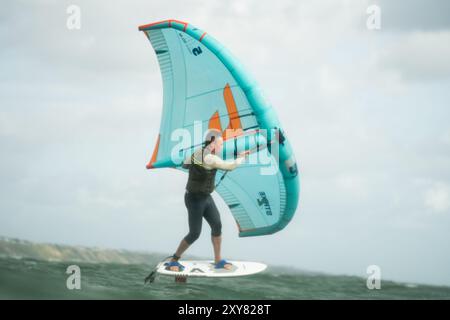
205,268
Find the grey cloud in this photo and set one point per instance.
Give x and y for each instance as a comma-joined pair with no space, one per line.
414,15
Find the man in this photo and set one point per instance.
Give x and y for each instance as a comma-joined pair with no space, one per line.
203,165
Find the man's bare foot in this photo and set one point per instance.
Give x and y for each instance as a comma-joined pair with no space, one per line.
174,268
226,266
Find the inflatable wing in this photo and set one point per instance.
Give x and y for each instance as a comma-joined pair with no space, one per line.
205,86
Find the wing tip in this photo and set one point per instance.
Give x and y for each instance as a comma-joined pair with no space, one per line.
163,23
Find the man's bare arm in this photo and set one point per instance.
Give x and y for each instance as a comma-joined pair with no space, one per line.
215,162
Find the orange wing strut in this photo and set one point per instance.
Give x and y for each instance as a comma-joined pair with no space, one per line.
154,155
234,127
214,122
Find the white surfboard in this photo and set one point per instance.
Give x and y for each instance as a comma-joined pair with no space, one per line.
205,268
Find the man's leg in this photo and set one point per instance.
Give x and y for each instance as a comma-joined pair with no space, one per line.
217,242
181,249
195,206
212,216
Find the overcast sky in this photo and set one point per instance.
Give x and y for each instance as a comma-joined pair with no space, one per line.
366,111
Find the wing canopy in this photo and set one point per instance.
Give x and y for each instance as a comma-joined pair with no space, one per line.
205,87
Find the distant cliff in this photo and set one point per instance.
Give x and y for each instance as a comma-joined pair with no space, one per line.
16,248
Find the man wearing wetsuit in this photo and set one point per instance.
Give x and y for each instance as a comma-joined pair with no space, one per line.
203,165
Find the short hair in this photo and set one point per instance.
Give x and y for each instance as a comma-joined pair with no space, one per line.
211,135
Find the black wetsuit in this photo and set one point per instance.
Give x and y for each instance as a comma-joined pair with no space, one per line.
198,200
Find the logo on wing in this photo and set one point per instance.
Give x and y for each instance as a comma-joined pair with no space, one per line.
264,202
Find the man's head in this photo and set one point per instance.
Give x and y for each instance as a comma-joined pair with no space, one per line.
213,140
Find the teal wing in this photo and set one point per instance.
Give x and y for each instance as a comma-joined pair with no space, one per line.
257,201
206,87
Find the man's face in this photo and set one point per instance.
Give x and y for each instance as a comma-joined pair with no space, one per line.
218,142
